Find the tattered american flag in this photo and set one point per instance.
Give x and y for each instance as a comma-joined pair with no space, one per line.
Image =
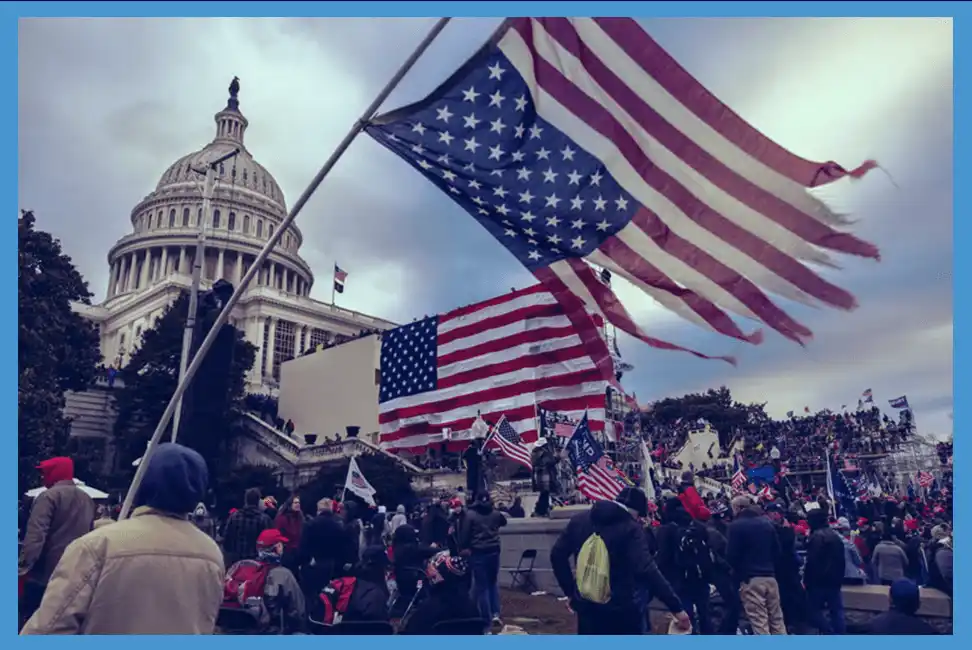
579,142
509,443
498,357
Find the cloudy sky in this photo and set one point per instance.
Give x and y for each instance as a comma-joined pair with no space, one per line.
106,105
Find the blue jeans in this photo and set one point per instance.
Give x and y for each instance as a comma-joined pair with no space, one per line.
832,599
485,585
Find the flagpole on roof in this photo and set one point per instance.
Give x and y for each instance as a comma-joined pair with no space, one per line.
265,252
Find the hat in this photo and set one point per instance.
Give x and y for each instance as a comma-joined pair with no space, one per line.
271,537
862,521
905,595
843,524
634,499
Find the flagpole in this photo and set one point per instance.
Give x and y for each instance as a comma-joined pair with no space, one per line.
262,256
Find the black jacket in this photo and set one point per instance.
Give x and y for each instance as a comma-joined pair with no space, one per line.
826,561
752,547
898,623
479,530
435,528
631,562
325,540
369,600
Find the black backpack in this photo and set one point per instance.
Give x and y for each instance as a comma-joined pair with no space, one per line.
694,558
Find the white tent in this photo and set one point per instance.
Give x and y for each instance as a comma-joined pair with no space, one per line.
90,491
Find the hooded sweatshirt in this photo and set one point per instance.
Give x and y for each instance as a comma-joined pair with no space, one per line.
479,532
60,514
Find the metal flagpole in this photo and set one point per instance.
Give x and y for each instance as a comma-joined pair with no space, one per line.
334,285
265,252
209,188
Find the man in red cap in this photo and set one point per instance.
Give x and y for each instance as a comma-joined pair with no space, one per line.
60,514
283,601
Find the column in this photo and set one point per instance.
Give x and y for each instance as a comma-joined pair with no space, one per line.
132,267
220,272
257,340
272,276
163,271
143,280
238,272
268,371
112,277
182,259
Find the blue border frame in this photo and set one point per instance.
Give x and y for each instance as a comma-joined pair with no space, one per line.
10,12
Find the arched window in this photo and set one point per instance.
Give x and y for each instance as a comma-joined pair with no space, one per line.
260,228
215,218
231,221
269,231
244,176
158,220
185,217
172,218
199,217
246,224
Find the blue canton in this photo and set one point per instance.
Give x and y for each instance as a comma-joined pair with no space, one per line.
508,432
480,140
408,359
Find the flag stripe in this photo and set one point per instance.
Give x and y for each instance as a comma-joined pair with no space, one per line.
591,125
659,65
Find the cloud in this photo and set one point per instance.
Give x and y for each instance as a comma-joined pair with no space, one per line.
106,105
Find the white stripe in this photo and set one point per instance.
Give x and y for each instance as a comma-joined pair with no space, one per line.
693,127
520,302
498,333
509,354
515,49
687,176
569,277
584,389
567,367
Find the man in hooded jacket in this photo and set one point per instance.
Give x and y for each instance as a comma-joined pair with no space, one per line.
60,514
155,573
631,566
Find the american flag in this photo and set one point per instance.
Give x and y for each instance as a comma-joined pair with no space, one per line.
497,357
340,275
899,403
738,480
508,442
579,142
596,477
925,479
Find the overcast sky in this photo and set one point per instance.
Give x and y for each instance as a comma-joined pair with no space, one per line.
107,105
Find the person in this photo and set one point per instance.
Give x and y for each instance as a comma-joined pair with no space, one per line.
378,526
686,561
447,600
890,561
61,514
752,551
243,527
104,517
154,573
269,507
901,619
200,517
479,542
354,530
516,510
435,525
290,523
823,574
369,600
854,573
690,498
400,518
631,566
940,558
284,599
411,557
721,577
324,549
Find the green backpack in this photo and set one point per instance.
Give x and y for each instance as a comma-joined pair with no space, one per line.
594,571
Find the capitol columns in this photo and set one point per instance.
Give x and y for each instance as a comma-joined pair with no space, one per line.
220,267
271,339
182,260
163,271
144,276
238,271
113,278
132,268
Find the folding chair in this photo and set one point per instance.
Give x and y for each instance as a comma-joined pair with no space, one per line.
524,575
460,627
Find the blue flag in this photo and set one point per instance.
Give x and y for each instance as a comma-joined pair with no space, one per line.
841,493
582,448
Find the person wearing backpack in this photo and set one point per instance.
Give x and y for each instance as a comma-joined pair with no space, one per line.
686,559
613,562
361,597
823,574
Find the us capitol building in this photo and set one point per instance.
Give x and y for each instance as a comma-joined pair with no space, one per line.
150,266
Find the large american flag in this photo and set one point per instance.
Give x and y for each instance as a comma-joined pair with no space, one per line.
579,142
499,357
509,443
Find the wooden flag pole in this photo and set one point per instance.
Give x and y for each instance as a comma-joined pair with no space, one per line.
258,263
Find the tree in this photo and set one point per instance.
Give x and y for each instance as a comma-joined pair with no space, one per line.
715,406
212,404
391,481
228,488
58,350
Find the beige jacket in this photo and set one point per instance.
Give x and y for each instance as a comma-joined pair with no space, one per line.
152,574
59,516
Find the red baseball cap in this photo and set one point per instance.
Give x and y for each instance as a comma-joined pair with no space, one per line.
270,537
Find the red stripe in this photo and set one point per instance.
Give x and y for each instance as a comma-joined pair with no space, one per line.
500,320
492,302
496,345
561,355
801,224
599,119
630,36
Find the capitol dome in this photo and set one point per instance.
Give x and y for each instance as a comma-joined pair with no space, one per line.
247,206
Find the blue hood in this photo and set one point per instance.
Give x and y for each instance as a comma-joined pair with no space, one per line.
175,480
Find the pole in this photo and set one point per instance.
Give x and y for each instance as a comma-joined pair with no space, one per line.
265,252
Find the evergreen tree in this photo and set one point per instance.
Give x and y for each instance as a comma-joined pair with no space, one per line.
58,350
212,402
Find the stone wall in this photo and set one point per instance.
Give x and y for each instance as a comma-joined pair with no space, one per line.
861,602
